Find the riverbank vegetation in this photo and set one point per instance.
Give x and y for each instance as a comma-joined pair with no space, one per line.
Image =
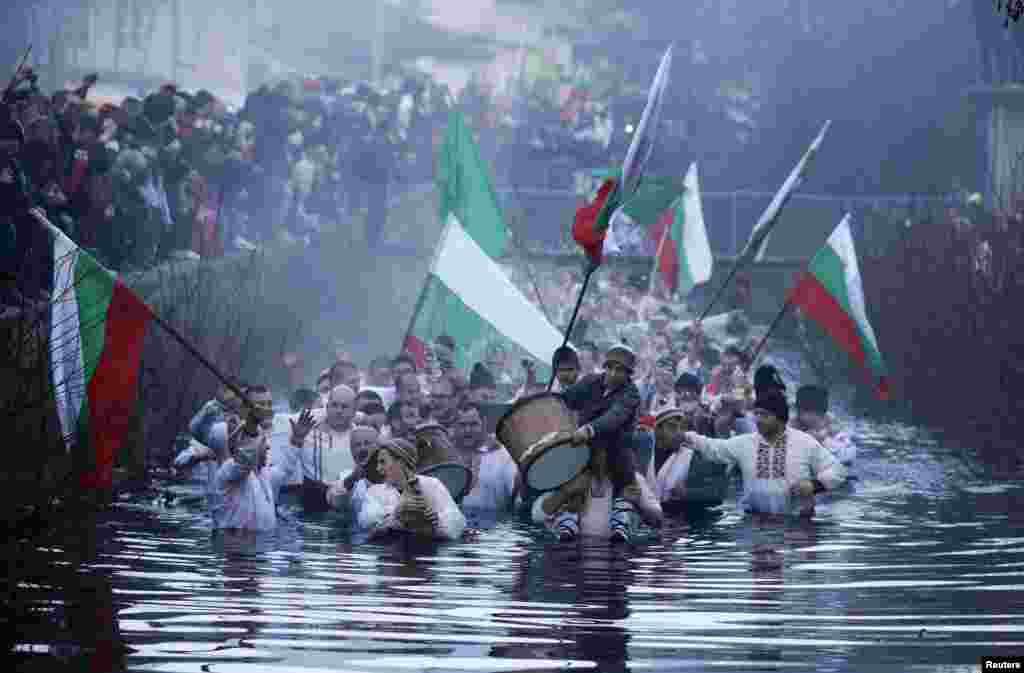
945,302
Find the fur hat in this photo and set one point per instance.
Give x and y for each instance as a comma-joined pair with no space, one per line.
403,451
768,376
774,402
812,398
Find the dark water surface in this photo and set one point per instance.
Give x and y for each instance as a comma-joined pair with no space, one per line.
918,566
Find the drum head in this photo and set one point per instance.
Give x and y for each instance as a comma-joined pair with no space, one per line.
455,478
556,466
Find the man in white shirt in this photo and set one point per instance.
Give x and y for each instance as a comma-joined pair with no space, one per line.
783,468
495,473
325,450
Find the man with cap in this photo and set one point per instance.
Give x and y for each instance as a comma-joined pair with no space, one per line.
399,500
683,477
813,418
608,406
782,467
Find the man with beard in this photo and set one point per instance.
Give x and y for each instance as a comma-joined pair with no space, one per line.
326,450
783,468
495,473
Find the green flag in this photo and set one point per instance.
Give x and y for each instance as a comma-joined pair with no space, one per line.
466,190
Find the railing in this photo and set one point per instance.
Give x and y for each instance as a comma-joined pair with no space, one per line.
542,218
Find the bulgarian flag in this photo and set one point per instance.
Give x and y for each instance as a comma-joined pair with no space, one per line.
466,190
831,293
684,254
97,327
468,296
593,221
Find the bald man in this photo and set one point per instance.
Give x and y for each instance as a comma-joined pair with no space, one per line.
326,450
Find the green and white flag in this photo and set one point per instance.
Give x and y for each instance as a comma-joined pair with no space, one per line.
468,297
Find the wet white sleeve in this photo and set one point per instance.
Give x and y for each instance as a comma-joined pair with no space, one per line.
825,467
718,450
230,472
510,478
281,470
450,519
673,474
380,502
842,447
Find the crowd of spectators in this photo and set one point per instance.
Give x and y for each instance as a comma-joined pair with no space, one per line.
180,173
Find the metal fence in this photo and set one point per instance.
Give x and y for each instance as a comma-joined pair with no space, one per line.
542,218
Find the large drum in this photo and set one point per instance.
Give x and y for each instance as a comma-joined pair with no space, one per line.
439,459
537,431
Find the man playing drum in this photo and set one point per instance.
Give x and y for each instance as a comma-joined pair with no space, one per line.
607,405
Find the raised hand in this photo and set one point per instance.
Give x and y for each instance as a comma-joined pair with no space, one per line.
302,427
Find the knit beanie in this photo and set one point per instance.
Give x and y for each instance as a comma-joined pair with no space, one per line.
768,377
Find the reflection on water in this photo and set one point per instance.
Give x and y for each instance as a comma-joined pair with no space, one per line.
919,565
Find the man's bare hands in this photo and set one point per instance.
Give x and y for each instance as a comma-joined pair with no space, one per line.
302,427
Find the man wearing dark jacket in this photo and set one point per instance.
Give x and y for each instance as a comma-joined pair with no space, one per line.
607,406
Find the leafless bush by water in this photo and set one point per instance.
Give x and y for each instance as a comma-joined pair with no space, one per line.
235,312
945,299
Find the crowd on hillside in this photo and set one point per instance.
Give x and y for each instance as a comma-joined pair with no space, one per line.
179,173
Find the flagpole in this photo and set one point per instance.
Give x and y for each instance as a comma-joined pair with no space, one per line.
170,329
657,257
775,323
762,228
591,268
17,71
426,283
199,356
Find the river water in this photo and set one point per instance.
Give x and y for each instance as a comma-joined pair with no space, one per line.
918,565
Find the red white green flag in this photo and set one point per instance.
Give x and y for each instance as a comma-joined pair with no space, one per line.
601,226
683,257
97,329
831,293
468,297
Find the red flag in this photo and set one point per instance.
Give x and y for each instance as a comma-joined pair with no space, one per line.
591,223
